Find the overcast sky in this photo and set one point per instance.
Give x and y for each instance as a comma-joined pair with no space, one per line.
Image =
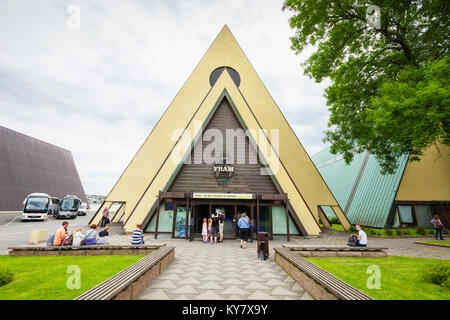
99,90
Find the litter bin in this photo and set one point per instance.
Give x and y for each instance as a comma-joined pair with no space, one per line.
263,245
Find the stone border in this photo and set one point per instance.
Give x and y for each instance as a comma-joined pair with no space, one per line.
92,250
315,251
432,244
131,281
320,284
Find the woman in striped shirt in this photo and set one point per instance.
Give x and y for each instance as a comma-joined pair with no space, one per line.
138,235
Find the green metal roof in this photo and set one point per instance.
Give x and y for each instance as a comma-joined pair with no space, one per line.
373,194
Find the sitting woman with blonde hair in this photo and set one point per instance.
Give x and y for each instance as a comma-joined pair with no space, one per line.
78,237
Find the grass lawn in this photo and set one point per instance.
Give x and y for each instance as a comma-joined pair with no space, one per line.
400,276
44,278
441,242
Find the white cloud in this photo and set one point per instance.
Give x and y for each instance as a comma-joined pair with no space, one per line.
98,91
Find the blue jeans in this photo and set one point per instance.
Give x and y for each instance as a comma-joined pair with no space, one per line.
360,245
439,230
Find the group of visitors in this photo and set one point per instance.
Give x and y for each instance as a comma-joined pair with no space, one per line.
213,228
62,237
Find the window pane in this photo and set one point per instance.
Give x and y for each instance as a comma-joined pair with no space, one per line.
424,216
405,214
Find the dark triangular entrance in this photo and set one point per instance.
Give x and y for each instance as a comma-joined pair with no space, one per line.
199,176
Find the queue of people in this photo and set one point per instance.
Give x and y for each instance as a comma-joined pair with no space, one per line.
212,228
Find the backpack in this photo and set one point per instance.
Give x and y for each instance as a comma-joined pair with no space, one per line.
50,239
352,241
68,241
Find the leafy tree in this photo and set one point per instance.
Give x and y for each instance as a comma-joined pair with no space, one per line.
390,88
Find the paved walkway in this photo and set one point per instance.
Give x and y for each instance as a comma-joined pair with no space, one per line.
222,271
396,246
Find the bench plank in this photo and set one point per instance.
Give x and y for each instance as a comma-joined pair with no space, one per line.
111,287
341,289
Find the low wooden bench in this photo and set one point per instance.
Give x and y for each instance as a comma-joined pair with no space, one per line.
318,251
92,250
319,283
128,283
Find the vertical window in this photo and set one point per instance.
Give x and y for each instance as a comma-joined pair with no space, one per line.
405,214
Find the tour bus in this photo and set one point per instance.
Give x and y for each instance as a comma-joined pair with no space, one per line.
36,206
53,208
68,207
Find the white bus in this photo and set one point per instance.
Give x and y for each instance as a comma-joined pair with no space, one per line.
69,207
36,206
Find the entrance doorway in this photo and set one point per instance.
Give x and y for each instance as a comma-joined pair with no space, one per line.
200,212
228,226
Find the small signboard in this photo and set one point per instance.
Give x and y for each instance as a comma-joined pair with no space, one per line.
205,195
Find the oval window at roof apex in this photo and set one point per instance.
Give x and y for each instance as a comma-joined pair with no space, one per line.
218,71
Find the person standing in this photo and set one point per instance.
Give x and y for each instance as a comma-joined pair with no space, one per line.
105,218
438,225
221,223
361,237
138,235
60,234
244,228
209,238
205,230
214,228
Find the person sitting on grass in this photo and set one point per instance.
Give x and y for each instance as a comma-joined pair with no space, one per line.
361,237
60,234
138,235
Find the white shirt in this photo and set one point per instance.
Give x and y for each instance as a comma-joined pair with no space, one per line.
363,236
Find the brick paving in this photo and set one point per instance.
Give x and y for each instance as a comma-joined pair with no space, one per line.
225,271
396,246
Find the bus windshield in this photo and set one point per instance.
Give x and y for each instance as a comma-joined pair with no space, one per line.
36,204
70,205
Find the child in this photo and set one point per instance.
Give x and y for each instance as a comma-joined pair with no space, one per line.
78,237
209,230
205,231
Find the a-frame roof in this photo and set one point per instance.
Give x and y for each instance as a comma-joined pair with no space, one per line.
153,165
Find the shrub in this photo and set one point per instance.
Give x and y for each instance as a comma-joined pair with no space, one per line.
398,232
421,230
406,232
438,274
445,231
6,276
430,231
389,232
334,220
352,229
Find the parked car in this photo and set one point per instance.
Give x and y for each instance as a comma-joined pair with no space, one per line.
68,208
82,209
36,206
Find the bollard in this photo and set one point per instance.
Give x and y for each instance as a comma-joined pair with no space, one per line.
37,236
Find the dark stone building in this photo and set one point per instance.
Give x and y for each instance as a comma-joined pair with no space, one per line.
29,165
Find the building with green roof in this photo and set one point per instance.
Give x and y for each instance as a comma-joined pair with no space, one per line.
407,198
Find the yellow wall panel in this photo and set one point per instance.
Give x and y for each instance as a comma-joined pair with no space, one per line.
428,179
